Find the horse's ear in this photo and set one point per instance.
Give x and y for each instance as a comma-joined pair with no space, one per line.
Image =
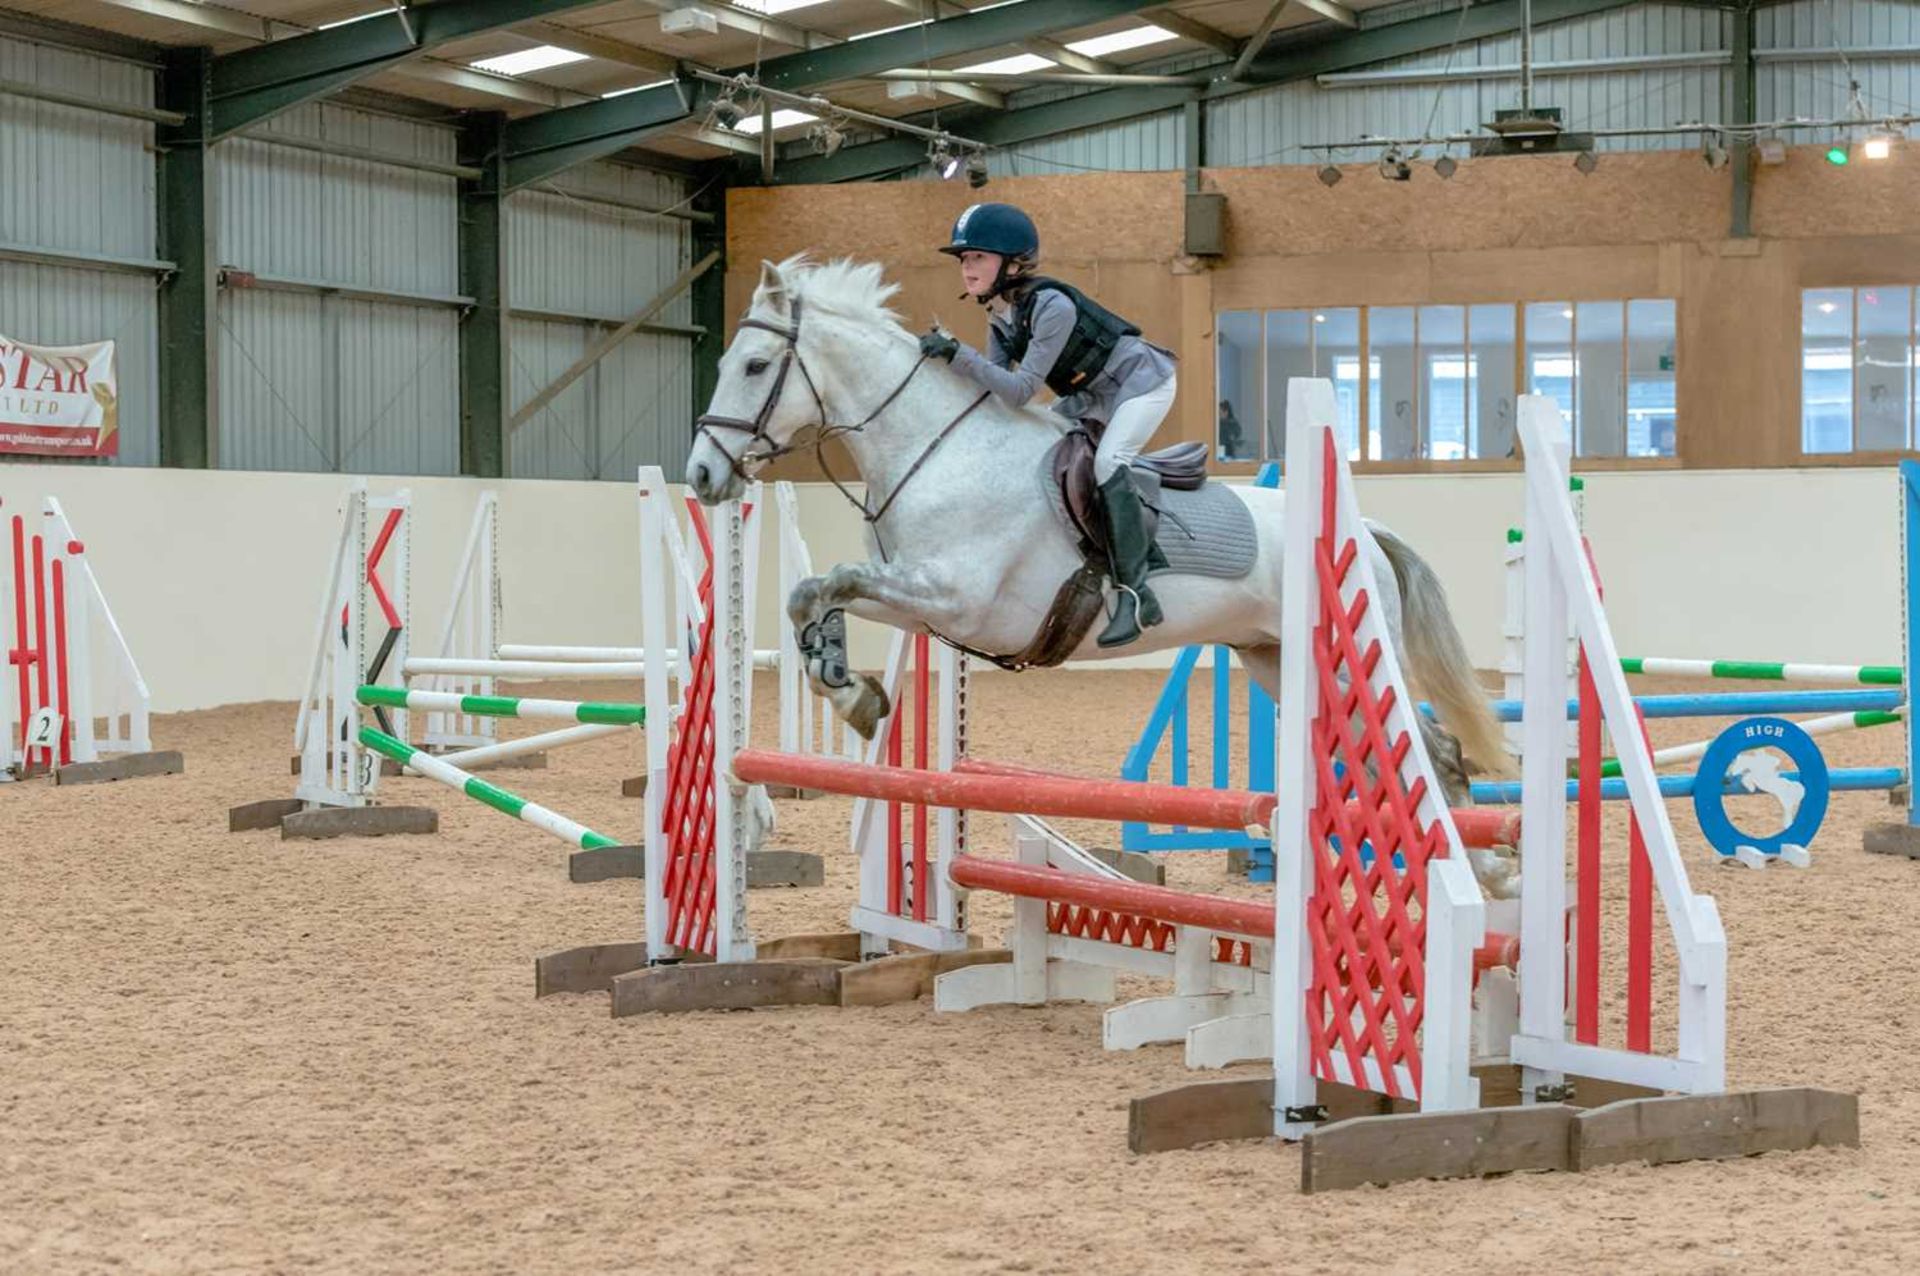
771,292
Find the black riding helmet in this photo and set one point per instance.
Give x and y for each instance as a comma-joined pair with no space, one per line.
995,228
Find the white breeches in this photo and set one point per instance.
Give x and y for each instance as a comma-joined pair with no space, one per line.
1133,424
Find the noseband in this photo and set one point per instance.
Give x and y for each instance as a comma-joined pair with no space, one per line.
823,432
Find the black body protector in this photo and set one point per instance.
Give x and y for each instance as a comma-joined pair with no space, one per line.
1096,331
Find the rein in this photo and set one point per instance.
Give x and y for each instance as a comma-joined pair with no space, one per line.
823,432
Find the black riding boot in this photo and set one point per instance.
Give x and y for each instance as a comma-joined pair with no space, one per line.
1128,549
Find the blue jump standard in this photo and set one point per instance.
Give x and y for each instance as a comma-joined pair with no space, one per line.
1507,792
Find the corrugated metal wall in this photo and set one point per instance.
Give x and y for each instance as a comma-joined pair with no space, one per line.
1819,89
82,182
570,256
1272,126
309,381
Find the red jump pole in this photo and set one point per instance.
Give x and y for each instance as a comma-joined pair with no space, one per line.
41,652
1179,908
1054,795
922,707
1158,903
21,652
1479,826
61,683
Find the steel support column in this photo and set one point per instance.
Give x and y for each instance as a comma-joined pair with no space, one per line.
710,291
188,295
483,271
1741,151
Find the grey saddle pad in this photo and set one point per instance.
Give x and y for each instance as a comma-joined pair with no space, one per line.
1208,532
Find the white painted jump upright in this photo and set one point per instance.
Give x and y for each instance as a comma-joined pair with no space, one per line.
361,638
1560,590
1343,1003
70,690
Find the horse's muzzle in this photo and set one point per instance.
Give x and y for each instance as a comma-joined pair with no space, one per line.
712,483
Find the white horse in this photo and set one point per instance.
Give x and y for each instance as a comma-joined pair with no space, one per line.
962,542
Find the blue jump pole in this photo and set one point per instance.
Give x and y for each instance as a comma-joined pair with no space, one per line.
1737,704
1857,779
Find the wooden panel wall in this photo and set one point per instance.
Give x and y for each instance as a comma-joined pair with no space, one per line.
1647,225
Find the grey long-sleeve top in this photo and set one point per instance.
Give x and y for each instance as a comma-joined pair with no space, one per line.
1135,366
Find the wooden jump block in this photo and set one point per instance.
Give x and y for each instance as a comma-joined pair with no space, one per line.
1893,839
1218,1111
1205,1112
838,945
765,869
634,786
359,821
266,814
744,985
1714,1127
588,969
607,863
128,766
1138,867
1437,1145
886,981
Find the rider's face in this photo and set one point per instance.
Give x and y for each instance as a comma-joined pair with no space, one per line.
978,271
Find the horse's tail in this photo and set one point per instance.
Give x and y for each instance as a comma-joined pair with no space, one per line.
1438,658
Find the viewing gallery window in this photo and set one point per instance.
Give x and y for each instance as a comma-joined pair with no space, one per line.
1439,383
1857,353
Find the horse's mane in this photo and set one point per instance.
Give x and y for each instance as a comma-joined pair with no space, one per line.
851,289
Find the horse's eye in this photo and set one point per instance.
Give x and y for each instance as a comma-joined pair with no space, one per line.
756,366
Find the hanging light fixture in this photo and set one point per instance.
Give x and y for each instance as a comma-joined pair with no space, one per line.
976,169
1330,175
1586,162
1879,144
826,138
727,113
1393,168
1445,167
944,161
1714,154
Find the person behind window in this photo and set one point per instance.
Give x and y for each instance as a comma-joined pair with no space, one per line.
1231,438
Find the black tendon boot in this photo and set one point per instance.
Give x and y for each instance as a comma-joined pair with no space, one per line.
1128,549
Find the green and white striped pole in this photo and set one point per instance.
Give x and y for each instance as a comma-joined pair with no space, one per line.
1827,725
474,787
1765,671
601,713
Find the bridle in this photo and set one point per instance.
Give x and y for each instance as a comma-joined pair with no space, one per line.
823,432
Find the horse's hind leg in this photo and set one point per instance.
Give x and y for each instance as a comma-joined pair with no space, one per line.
890,593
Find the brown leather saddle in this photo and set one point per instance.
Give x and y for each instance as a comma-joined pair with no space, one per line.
1182,467
1079,601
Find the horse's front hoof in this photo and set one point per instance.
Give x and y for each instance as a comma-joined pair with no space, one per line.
867,707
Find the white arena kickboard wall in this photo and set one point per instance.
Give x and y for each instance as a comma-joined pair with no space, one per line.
215,575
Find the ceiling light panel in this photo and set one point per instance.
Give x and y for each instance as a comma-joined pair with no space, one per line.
786,117
527,61
1119,41
1019,64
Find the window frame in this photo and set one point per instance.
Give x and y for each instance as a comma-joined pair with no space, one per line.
1365,461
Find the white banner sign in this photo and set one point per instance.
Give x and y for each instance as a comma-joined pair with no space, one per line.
59,400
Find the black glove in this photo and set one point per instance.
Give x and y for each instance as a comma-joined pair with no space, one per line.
938,345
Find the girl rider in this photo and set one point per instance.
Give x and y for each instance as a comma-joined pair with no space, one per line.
1044,332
